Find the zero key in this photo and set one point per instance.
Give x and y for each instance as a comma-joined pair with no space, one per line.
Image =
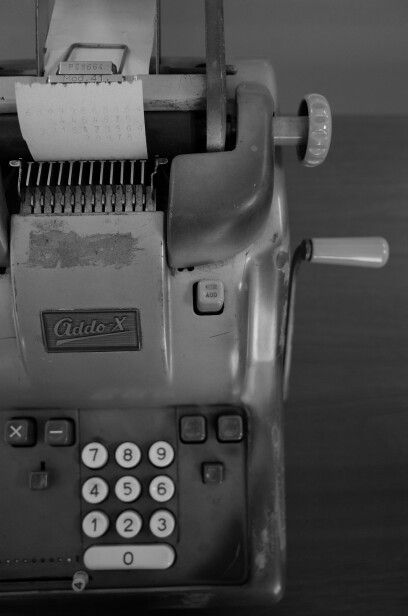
20,432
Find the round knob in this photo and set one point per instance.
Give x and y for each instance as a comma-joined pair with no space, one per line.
315,150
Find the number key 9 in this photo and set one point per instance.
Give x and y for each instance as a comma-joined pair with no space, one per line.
161,454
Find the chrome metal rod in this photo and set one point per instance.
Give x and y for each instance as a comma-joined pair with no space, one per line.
158,37
216,76
290,130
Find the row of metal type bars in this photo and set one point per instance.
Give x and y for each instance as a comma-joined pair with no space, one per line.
78,187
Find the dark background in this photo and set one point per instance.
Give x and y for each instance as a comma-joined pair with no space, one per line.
352,51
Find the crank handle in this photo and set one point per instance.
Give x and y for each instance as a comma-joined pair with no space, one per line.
350,251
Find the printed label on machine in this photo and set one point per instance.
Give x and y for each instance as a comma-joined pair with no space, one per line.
93,330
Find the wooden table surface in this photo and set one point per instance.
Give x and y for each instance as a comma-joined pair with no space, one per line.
347,416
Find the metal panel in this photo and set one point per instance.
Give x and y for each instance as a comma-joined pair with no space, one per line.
91,263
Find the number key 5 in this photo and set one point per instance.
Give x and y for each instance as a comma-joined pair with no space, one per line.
127,489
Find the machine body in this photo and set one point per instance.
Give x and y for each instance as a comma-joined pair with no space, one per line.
100,332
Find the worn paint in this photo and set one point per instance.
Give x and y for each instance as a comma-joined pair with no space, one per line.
282,259
265,544
195,600
56,248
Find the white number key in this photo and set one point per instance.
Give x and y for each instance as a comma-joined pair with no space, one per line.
127,489
94,455
128,524
95,490
162,523
95,524
161,454
128,455
161,488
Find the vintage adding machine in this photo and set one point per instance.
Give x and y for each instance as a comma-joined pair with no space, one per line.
145,327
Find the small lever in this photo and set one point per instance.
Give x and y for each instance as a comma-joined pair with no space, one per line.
350,251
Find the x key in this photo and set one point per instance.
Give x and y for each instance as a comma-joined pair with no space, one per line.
20,432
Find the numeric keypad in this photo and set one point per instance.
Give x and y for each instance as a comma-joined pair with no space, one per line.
130,488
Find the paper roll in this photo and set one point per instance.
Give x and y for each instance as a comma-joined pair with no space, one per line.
129,22
96,120
82,121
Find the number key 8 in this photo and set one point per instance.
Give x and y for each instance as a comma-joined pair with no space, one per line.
128,455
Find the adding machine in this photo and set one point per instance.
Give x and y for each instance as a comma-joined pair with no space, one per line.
146,312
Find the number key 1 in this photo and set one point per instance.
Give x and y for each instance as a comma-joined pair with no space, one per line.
95,524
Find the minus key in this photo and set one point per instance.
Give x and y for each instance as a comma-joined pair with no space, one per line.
59,432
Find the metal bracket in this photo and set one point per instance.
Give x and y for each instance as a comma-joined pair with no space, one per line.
219,202
94,71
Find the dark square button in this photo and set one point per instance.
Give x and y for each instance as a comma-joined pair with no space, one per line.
20,432
213,472
230,428
193,429
39,480
59,432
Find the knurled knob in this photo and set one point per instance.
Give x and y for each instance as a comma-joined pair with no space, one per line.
80,581
315,150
